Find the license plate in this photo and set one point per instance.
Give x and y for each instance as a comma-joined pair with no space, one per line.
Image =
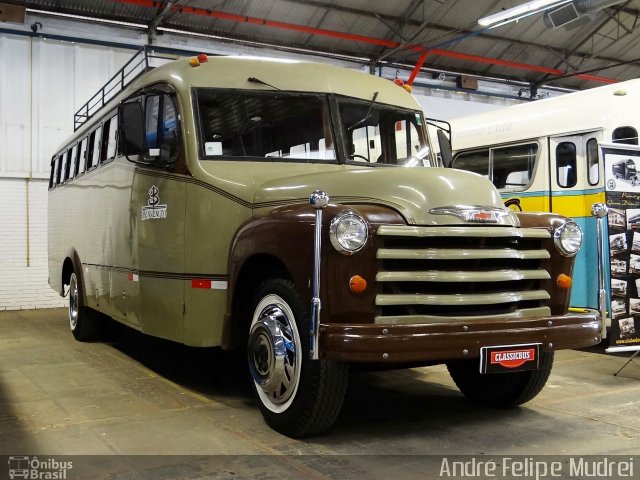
509,358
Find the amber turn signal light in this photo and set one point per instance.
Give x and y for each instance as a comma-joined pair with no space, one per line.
564,281
357,284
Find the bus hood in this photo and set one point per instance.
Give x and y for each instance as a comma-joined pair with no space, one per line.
413,192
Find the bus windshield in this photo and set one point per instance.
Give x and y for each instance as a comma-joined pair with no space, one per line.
379,134
265,125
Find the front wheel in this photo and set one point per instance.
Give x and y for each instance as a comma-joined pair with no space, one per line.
297,396
500,390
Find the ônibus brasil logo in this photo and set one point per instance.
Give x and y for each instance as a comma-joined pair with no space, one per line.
33,468
153,209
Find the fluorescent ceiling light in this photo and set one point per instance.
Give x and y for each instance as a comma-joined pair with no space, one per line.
520,11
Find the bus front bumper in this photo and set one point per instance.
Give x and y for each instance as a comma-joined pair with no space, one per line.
440,342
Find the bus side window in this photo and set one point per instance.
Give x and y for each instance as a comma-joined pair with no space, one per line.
72,162
63,167
93,155
566,164
110,140
593,161
161,127
628,135
476,161
67,165
52,174
82,157
59,168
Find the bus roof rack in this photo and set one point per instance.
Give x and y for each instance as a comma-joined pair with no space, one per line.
139,63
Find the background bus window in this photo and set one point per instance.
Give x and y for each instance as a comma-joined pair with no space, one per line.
407,139
513,166
627,135
82,157
110,139
366,144
593,161
476,161
566,164
93,155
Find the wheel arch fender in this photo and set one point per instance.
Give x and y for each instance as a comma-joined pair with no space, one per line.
71,264
267,246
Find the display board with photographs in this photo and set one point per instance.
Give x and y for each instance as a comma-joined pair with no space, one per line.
622,193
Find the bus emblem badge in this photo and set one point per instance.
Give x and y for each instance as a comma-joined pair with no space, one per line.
153,209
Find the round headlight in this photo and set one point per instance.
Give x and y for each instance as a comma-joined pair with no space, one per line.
348,232
568,239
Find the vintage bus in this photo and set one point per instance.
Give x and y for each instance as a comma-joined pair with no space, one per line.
545,156
222,201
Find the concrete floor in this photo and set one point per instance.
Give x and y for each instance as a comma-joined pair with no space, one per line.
147,396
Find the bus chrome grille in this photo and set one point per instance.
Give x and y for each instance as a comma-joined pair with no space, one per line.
428,274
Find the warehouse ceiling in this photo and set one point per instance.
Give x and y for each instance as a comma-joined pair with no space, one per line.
600,44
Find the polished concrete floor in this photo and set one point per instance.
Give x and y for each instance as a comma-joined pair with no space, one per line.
147,396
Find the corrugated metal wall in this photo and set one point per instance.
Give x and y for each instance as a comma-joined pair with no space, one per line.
42,82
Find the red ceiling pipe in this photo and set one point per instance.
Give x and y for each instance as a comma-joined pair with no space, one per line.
417,68
359,38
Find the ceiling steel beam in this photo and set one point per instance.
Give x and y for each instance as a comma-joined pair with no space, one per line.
357,38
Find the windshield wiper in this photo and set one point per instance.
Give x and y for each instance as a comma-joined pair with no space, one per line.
367,115
260,82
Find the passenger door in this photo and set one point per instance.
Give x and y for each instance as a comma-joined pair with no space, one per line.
158,205
576,178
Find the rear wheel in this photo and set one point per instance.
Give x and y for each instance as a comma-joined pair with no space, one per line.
297,396
500,389
84,322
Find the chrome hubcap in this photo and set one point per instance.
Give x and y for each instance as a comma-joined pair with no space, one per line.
274,359
73,302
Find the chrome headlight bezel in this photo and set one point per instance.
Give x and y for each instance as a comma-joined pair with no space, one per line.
335,236
568,238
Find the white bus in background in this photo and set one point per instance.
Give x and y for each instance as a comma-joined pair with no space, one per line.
545,156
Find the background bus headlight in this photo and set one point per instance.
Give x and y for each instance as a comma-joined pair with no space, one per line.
568,239
348,232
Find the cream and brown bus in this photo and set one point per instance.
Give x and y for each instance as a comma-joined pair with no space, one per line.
291,209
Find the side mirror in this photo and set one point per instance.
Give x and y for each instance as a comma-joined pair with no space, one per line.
445,149
132,129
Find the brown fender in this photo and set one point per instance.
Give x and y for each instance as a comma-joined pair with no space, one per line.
285,235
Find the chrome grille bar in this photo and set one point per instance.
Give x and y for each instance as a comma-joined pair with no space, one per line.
461,276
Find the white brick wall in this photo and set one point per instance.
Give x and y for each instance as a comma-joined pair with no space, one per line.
23,286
